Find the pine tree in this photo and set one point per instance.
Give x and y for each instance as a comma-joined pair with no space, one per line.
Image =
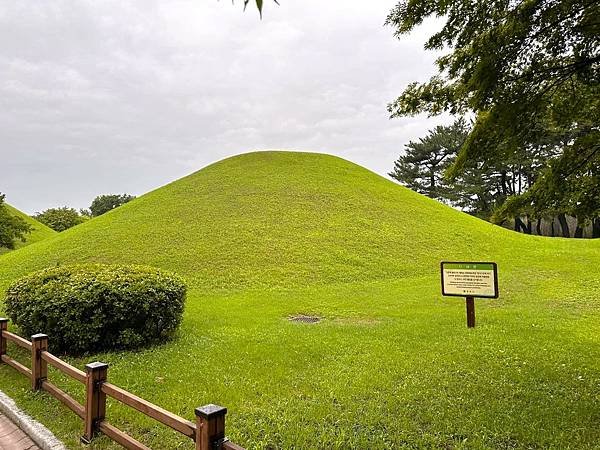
424,162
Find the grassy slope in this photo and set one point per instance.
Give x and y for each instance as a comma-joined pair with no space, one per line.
265,235
39,232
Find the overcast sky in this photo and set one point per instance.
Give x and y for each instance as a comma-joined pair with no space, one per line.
125,96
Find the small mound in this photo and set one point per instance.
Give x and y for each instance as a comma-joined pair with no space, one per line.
39,231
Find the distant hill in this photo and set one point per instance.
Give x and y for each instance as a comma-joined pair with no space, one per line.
284,219
38,233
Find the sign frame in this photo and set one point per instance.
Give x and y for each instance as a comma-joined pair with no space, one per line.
495,270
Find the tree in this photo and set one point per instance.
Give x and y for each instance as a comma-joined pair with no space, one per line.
424,162
60,219
530,72
481,187
104,203
12,228
563,190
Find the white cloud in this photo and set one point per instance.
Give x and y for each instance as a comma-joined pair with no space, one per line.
124,96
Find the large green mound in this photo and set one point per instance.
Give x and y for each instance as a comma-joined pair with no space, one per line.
38,233
267,236
282,219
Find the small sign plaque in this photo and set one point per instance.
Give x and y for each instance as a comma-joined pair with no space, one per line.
470,279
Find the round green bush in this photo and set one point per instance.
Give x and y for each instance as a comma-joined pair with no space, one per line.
92,307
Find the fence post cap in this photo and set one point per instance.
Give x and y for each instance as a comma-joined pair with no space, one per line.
91,367
39,336
3,320
210,411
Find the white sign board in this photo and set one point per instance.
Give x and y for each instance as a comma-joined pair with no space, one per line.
470,279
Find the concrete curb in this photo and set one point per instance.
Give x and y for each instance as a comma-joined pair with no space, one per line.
37,432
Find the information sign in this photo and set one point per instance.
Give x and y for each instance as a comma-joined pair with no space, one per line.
470,279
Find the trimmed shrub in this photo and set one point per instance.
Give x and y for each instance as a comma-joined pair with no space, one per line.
92,307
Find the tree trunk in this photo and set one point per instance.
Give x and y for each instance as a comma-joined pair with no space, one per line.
504,188
520,225
552,230
432,184
528,229
562,219
538,227
578,230
596,228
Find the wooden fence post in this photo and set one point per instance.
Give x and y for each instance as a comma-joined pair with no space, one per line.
39,367
95,403
210,427
3,327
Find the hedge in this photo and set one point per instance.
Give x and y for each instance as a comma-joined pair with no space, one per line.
93,307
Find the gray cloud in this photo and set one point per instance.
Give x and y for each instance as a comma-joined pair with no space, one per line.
125,96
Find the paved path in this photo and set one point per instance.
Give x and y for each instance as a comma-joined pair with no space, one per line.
12,438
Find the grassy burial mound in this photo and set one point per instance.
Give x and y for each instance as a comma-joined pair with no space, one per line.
38,233
264,237
275,219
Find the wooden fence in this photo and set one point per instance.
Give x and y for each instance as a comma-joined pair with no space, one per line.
208,432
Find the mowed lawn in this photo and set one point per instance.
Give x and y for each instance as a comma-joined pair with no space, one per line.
391,364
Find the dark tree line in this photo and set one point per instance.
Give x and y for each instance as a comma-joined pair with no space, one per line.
482,188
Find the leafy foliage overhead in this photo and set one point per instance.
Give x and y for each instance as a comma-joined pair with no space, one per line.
530,71
502,48
259,5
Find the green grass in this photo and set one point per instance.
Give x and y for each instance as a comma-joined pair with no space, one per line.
39,231
263,236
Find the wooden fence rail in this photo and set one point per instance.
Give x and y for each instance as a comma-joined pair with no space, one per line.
208,431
